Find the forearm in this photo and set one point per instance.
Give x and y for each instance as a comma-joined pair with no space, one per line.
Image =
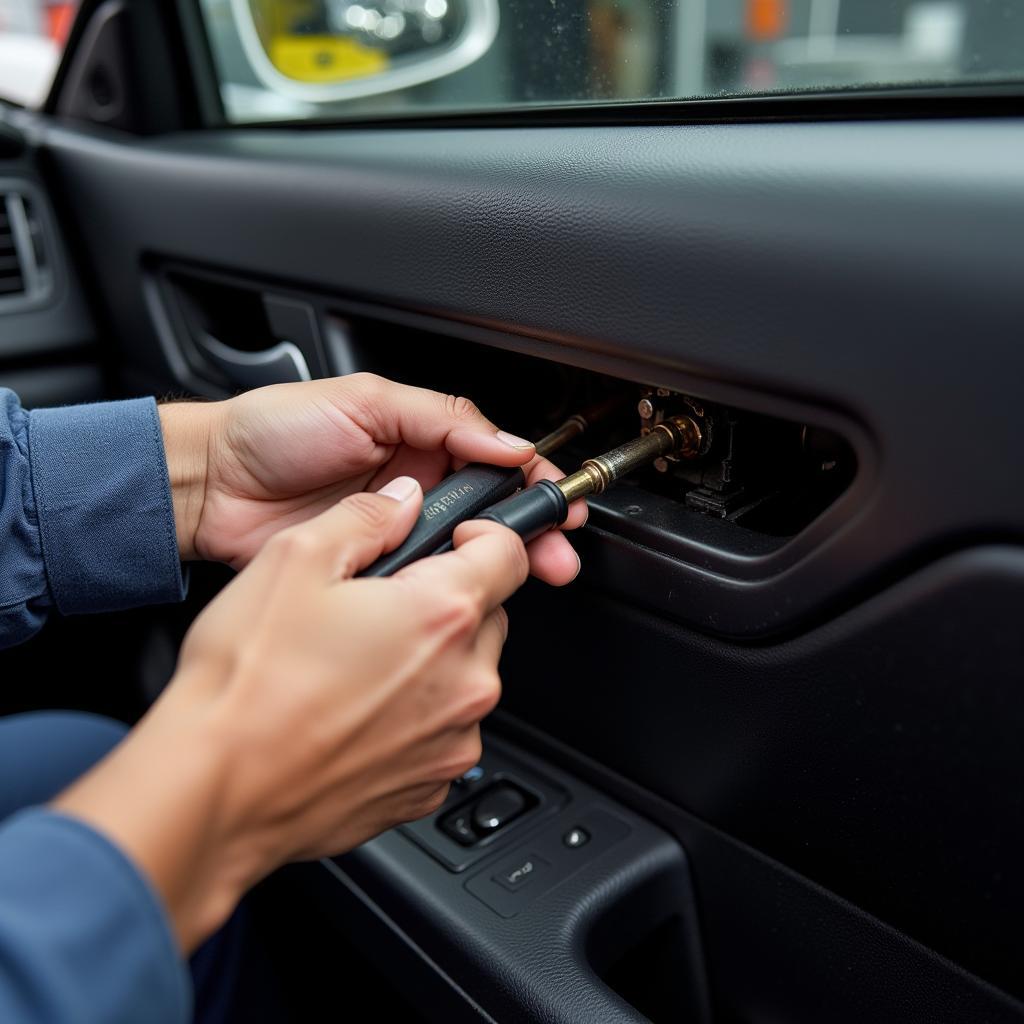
162,798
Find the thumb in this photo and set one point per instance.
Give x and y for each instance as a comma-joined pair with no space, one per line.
356,531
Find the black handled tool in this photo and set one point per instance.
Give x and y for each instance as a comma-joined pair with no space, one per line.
471,490
463,495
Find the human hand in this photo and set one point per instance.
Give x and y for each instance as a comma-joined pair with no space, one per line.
310,710
245,468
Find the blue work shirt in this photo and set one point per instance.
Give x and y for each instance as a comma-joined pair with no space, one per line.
86,525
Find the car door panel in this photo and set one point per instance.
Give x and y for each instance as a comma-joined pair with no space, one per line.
825,725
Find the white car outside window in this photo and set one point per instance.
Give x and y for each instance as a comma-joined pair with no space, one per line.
29,55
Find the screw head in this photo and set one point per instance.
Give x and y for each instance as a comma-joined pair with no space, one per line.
661,465
645,408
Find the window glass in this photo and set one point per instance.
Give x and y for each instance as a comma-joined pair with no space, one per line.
322,58
32,37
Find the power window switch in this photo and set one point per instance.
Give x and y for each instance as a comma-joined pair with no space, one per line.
485,813
497,807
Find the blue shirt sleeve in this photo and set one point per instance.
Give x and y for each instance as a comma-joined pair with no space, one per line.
86,520
83,937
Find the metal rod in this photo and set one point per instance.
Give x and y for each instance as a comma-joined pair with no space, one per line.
679,435
572,427
578,423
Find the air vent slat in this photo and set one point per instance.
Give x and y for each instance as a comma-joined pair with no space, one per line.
12,279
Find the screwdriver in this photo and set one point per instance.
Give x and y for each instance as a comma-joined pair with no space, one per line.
473,489
545,505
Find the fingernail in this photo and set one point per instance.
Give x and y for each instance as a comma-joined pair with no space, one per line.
400,489
579,568
512,441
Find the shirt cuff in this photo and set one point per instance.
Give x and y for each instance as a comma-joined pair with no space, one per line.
83,935
103,500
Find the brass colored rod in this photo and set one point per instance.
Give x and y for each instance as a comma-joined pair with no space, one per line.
680,435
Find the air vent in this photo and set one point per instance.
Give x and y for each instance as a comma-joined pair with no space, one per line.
26,278
12,278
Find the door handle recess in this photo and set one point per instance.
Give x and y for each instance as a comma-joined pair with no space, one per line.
282,363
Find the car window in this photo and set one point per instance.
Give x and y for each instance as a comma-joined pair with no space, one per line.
320,58
32,38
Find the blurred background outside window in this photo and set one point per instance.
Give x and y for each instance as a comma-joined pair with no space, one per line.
320,58
32,37
285,59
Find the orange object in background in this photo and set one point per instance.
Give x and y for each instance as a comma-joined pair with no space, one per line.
59,17
766,19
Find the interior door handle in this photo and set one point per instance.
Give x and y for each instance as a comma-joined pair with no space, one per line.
282,363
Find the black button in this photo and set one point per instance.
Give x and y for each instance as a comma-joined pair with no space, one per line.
515,876
576,837
458,827
497,807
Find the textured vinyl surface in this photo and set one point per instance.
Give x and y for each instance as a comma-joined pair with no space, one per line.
878,756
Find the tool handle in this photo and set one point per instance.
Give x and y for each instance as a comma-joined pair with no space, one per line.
532,512
461,496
